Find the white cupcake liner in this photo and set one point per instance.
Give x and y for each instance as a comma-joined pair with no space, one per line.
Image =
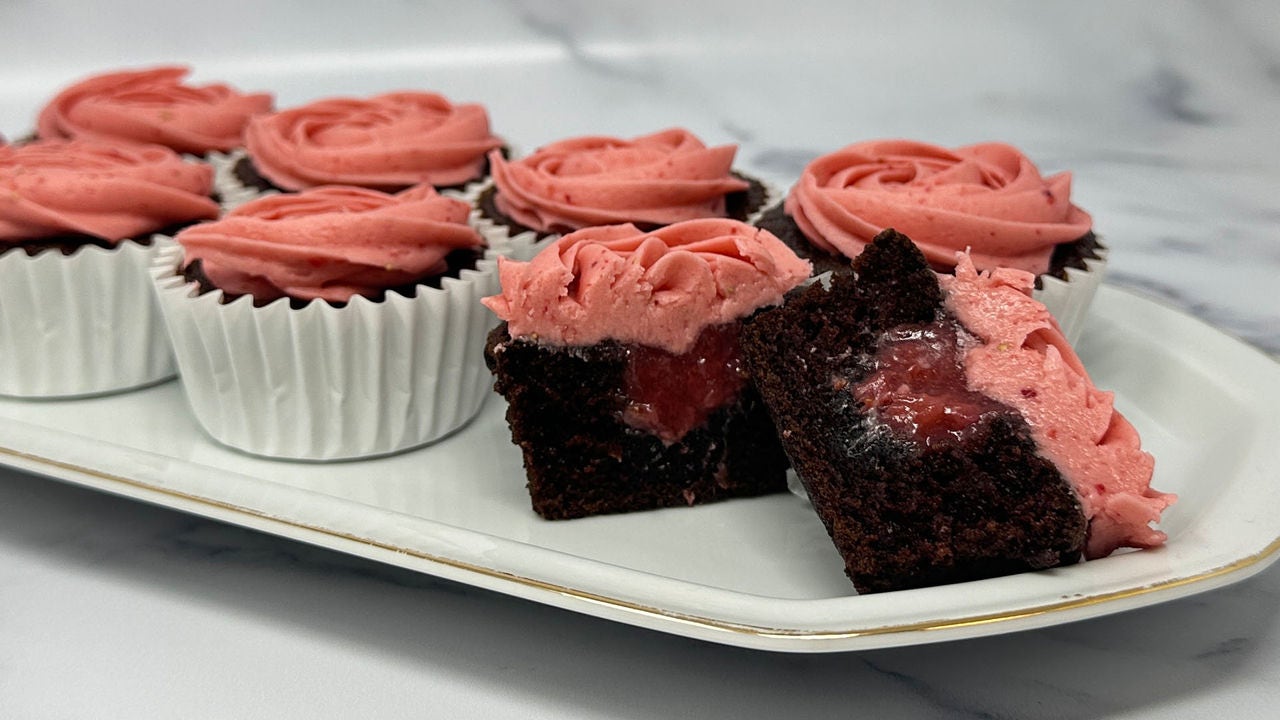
524,245
80,324
1069,299
325,383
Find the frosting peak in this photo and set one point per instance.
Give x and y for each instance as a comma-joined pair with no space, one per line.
152,106
652,180
1026,363
658,289
331,243
988,198
387,142
107,191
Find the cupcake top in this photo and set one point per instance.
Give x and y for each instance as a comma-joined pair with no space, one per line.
387,142
106,191
331,243
987,198
658,288
1024,362
152,106
653,180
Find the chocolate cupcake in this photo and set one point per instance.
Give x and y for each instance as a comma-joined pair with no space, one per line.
649,181
77,316
988,199
387,143
620,364
943,426
332,323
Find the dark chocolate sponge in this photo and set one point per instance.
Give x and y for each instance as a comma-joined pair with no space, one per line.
580,457
778,222
901,515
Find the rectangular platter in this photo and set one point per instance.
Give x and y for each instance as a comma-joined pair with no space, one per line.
757,573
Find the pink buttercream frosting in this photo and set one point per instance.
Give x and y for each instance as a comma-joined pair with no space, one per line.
1025,362
152,106
657,179
331,243
387,142
658,289
108,191
987,198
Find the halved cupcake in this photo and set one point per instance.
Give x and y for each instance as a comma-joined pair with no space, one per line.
620,362
943,427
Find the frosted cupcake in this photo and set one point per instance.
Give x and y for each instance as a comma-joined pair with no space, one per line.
77,316
387,142
649,181
988,198
333,323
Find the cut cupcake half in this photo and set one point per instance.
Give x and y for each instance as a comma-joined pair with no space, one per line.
943,427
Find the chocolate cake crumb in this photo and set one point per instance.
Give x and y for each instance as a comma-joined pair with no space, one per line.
565,407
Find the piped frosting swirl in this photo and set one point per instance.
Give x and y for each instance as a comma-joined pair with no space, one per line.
152,106
658,288
988,198
652,180
107,191
386,142
331,243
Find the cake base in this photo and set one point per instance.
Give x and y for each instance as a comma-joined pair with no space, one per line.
565,409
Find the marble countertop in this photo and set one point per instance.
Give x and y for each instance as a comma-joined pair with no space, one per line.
1165,112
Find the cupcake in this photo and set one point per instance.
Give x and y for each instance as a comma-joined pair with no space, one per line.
649,181
944,428
388,143
77,316
987,198
620,364
333,323
152,106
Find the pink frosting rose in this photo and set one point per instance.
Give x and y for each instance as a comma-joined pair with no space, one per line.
988,198
1026,363
332,243
388,142
152,106
657,179
659,288
108,191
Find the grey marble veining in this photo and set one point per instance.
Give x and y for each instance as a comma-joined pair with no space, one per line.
1166,113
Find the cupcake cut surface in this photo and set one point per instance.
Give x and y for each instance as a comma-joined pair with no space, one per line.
947,432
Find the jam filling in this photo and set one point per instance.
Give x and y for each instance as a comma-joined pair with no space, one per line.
917,386
668,395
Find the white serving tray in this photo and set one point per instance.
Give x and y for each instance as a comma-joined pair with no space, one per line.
756,573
